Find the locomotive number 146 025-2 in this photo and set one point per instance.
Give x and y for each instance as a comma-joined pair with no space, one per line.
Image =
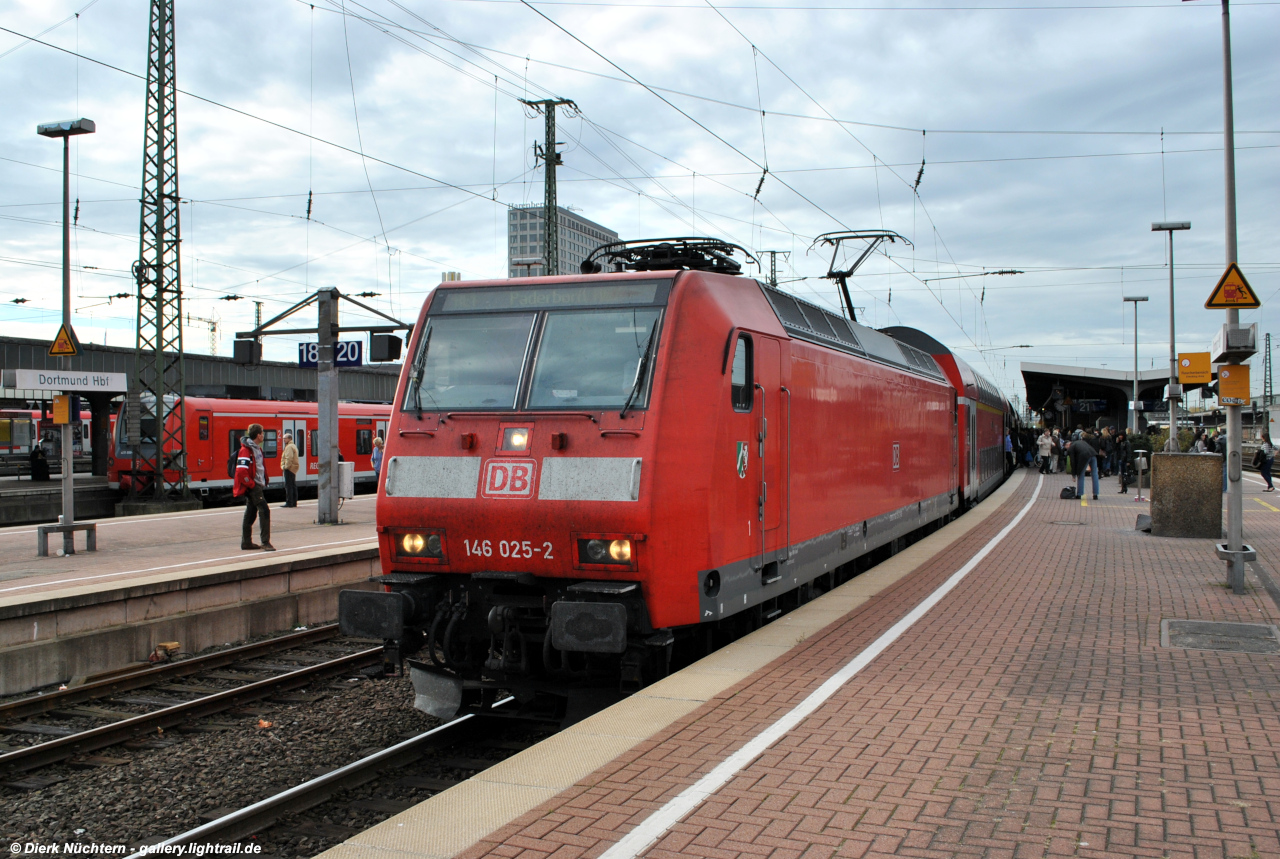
509,549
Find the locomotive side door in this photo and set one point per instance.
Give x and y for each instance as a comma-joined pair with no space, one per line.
771,434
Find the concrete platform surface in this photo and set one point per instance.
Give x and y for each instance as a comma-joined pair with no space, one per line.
146,547
1030,710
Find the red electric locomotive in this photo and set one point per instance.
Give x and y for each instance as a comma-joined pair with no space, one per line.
585,473
214,430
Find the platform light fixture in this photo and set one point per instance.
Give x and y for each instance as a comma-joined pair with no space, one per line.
67,129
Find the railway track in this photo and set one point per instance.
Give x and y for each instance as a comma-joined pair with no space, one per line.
123,726
261,815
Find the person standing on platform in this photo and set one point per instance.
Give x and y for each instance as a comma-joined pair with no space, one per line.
1084,458
1123,453
1268,452
1219,446
1008,451
377,459
1044,446
251,482
289,467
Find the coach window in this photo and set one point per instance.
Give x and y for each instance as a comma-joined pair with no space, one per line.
204,427
269,444
364,442
743,391
315,441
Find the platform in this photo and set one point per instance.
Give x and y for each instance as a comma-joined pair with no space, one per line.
1033,709
149,546
171,577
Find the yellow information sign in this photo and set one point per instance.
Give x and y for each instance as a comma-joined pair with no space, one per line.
62,409
1233,385
64,345
1233,292
1194,368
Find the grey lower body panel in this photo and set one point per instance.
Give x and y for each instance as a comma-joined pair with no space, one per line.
746,583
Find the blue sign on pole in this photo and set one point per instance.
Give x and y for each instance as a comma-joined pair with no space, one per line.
346,353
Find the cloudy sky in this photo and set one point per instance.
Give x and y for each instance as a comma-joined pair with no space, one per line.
1039,123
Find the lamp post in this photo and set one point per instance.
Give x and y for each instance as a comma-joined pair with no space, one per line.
66,130
1133,412
1175,390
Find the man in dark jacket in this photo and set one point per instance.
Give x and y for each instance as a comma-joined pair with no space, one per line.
1084,458
251,482
1123,453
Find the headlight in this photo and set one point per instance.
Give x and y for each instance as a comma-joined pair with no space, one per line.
428,545
515,438
605,551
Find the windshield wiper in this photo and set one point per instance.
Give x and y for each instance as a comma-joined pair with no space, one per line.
419,367
642,371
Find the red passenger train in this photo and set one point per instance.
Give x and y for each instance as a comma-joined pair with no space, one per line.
585,474
214,430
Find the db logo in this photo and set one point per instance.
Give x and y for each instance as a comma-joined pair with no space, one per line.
508,478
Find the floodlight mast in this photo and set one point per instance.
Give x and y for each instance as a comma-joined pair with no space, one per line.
873,238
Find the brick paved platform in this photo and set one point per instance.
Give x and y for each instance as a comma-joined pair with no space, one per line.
1033,712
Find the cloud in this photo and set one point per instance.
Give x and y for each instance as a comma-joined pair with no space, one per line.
1072,210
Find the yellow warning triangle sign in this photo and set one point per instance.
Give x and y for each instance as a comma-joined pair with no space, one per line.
1233,292
64,345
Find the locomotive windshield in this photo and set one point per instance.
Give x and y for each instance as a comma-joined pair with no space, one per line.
567,347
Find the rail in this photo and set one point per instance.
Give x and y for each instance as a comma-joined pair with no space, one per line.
53,751
253,818
144,677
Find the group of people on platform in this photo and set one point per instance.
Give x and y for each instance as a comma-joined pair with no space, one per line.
1108,452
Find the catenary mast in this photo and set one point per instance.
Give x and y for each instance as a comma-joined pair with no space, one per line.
158,357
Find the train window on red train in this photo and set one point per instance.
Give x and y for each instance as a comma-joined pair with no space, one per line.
595,359
743,391
364,442
270,444
315,441
204,427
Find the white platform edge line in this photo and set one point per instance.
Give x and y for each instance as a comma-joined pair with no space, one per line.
657,824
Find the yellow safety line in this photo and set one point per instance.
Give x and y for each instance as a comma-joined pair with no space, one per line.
1268,506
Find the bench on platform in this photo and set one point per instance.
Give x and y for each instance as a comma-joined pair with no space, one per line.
68,537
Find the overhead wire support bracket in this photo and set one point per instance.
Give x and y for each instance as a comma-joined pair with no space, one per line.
873,238
325,445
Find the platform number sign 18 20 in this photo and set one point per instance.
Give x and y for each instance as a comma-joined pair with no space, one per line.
346,353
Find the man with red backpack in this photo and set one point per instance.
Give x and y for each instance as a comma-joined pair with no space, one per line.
251,482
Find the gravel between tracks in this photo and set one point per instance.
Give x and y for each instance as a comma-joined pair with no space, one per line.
161,792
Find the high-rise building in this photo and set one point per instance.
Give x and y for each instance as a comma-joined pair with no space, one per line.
526,240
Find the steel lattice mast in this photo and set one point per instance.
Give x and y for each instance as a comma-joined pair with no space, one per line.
158,359
550,159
